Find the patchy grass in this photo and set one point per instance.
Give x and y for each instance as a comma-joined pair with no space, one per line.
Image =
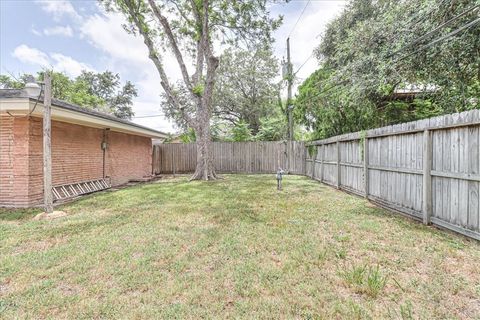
233,248
7,214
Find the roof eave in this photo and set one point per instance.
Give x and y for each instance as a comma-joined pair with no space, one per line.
73,114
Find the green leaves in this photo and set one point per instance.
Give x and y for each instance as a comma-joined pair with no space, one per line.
98,91
374,74
241,132
198,89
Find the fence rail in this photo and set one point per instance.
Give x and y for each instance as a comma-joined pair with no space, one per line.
428,169
233,157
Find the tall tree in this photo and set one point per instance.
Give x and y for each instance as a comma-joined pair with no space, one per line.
246,88
189,29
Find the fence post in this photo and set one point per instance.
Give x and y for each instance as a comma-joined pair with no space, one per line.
322,156
314,157
287,160
365,166
173,161
338,164
427,176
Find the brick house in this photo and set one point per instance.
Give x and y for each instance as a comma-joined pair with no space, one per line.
86,145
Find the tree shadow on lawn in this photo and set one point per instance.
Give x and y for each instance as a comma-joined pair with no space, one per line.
14,214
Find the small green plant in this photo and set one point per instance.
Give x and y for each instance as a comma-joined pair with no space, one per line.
312,150
341,253
406,311
365,279
357,312
375,282
198,89
363,136
321,257
355,275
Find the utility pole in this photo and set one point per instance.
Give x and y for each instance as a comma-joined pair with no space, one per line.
47,145
289,97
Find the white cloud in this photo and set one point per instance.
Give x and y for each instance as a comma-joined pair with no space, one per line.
31,56
59,30
69,65
56,61
128,56
114,40
59,9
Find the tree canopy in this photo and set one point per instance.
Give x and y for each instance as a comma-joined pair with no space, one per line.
191,31
245,98
99,91
385,62
246,88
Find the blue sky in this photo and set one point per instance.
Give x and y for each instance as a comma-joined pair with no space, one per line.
69,36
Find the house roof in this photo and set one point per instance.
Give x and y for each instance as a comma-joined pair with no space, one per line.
74,113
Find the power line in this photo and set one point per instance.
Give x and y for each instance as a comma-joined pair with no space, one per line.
326,90
434,30
301,14
309,57
414,18
149,116
448,35
451,34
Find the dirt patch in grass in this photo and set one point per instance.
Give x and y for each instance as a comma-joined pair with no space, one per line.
234,248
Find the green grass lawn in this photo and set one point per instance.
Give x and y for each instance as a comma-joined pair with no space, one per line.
233,248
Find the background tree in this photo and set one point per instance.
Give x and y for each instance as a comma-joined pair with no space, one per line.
246,90
189,29
245,93
376,49
241,132
99,91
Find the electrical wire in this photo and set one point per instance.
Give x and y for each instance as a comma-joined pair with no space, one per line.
451,34
33,109
434,30
448,35
149,116
303,64
301,14
417,22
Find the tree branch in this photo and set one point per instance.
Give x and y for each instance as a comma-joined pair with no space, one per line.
173,43
212,61
137,19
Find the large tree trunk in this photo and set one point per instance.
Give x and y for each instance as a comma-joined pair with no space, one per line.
205,169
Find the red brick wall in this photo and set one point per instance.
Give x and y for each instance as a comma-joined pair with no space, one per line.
14,161
76,156
128,157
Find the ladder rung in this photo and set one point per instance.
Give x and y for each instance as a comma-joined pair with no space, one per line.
87,187
65,192
55,193
75,189
72,190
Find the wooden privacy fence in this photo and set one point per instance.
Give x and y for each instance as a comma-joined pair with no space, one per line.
233,157
428,169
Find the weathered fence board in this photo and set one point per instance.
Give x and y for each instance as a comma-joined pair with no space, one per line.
429,169
233,157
